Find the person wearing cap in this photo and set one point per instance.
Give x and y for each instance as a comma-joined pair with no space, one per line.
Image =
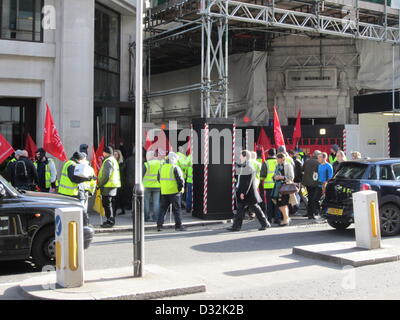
332,157
70,183
47,172
22,172
172,184
87,188
109,181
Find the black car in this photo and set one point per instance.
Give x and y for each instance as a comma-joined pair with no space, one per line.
380,175
27,224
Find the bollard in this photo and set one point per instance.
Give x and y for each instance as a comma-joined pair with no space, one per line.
69,247
366,219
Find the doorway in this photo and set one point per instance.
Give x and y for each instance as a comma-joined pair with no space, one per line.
394,130
17,119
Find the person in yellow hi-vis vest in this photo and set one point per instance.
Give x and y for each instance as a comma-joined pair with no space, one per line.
47,172
109,181
172,185
70,183
267,172
151,186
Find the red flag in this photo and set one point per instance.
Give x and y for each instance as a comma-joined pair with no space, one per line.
99,154
94,162
5,149
263,141
30,146
297,130
148,142
51,139
278,135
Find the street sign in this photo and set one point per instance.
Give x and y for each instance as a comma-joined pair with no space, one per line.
58,226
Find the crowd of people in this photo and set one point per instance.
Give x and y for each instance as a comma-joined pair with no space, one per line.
273,188
269,189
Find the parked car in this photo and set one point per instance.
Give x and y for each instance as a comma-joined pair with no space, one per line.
27,229
380,175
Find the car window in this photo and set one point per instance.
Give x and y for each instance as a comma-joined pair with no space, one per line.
351,170
4,226
372,173
396,171
385,173
8,186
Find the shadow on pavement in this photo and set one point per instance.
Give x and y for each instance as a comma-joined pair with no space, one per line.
299,262
277,241
16,267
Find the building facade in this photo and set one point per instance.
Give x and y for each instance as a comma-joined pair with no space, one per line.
74,56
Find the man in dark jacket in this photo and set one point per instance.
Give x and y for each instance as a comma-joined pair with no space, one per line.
310,181
22,173
247,194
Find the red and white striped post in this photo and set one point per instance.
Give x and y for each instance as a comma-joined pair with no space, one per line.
344,141
206,162
233,165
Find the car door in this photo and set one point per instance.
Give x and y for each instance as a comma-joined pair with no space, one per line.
14,239
389,180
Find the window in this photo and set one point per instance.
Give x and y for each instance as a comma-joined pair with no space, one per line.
107,55
21,20
372,173
386,173
351,171
396,171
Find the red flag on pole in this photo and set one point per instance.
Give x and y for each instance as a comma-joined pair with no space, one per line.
51,139
5,149
99,154
263,141
297,130
30,146
94,162
278,135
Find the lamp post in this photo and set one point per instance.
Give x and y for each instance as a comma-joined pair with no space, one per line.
138,215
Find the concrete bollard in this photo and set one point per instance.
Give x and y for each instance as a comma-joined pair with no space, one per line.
69,247
366,219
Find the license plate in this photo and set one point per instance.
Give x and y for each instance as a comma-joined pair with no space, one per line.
334,211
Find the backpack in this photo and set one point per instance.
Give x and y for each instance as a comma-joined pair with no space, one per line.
20,170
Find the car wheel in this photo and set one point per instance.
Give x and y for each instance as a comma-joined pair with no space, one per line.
43,247
390,220
338,225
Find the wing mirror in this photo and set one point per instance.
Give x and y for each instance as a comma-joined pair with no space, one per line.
2,191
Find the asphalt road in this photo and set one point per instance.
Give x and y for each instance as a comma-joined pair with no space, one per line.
249,264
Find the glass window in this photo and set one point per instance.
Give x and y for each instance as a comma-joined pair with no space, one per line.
396,171
351,171
107,55
386,173
21,20
372,173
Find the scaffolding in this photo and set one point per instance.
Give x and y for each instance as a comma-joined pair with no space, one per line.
197,30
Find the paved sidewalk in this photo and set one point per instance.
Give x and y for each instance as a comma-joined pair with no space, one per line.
123,223
114,284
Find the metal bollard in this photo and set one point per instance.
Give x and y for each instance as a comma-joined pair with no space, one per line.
69,247
138,230
366,219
